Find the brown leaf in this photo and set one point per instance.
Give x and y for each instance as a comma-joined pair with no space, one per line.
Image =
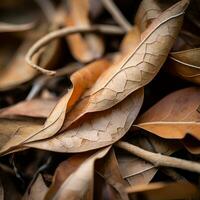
10,127
170,191
146,13
174,116
37,190
79,185
136,70
31,108
64,170
81,80
97,129
186,64
108,169
85,48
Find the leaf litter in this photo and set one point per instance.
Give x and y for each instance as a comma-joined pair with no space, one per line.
100,100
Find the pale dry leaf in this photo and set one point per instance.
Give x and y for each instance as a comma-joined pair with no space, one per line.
64,170
83,48
9,128
37,190
146,13
174,116
79,185
186,64
81,80
97,129
164,191
31,108
136,70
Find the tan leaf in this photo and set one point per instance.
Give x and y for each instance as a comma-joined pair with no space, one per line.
85,48
31,108
37,190
79,185
97,129
170,191
81,80
64,170
186,64
136,70
146,13
108,169
174,116
10,127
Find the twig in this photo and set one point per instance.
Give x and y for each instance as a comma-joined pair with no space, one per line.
6,27
158,159
116,14
107,29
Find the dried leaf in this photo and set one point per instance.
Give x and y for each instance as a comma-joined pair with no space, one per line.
85,48
146,13
10,127
31,108
37,190
174,116
79,185
108,169
136,70
64,170
97,129
186,64
82,80
171,191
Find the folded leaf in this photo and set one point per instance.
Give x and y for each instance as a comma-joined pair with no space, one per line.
83,48
95,130
186,64
136,70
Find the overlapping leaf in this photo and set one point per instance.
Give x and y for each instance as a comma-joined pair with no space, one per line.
85,48
186,64
174,116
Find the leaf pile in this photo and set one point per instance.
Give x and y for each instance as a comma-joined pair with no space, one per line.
99,99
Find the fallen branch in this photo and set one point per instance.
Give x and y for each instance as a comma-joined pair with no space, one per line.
106,29
116,14
159,160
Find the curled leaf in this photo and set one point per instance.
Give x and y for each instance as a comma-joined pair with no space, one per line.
186,64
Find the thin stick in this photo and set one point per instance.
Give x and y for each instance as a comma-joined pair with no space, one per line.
158,159
116,14
106,29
